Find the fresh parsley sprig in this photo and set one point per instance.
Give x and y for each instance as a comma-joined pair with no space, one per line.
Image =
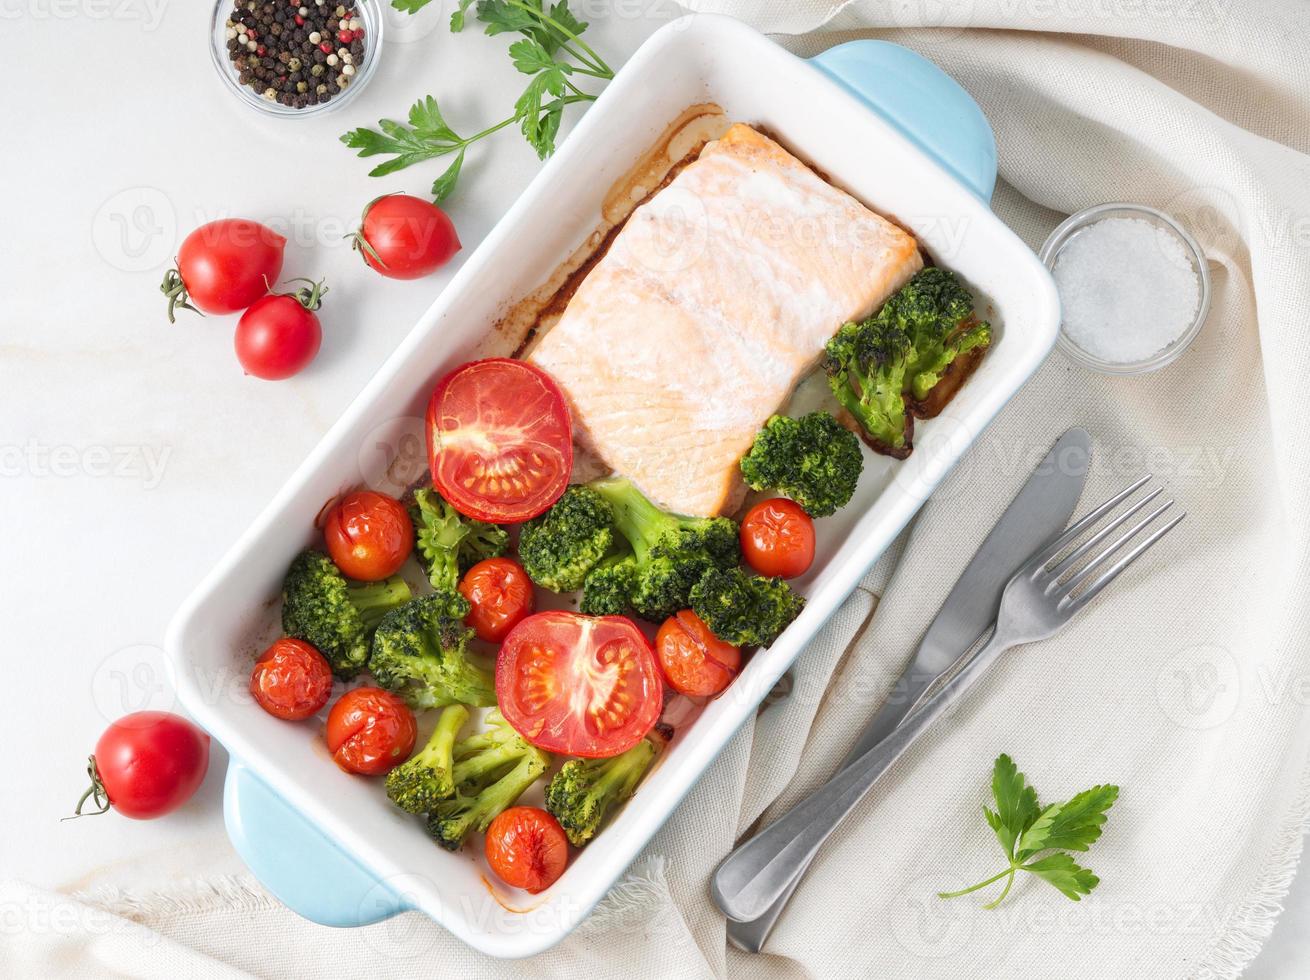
551,51
1025,829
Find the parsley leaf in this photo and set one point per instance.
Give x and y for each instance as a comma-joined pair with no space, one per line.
1061,871
1072,826
426,136
535,116
550,50
552,29
1025,829
1016,803
563,17
443,185
456,15
530,57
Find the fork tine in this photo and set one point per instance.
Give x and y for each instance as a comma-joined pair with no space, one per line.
1111,573
1040,561
1083,549
1085,573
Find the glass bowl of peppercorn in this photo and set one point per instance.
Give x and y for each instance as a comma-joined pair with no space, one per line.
296,57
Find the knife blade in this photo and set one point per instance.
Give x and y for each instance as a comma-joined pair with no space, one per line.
1038,512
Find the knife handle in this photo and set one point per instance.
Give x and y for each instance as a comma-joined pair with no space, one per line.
910,691
759,872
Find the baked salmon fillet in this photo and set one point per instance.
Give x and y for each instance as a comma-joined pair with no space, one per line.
714,300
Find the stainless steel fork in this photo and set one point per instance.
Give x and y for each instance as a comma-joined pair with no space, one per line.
1038,602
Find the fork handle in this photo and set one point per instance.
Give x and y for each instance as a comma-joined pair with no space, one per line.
919,687
759,872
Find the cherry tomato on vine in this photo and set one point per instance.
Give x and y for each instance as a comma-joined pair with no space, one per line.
694,660
777,538
526,848
223,267
291,680
369,535
405,237
280,334
501,595
579,685
500,440
147,764
370,731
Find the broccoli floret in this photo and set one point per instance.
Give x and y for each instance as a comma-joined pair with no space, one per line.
417,784
866,364
584,791
745,610
902,350
492,770
337,616
607,589
420,651
447,544
669,553
814,460
559,548
935,311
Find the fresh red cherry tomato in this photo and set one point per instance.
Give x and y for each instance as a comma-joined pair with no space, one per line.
405,237
527,849
291,680
223,267
370,731
694,660
500,593
280,334
147,764
369,535
777,538
500,440
579,685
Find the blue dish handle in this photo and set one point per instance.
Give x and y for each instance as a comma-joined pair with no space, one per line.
923,102
295,861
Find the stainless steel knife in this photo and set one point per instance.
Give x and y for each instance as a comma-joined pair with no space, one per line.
1040,511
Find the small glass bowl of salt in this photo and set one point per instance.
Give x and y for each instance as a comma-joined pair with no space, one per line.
1134,287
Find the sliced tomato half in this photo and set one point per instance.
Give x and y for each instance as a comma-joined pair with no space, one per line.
579,685
500,440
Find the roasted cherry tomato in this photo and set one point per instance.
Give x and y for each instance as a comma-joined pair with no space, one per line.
223,267
147,764
405,237
370,731
693,659
291,680
579,685
500,593
777,538
527,849
280,334
369,535
500,440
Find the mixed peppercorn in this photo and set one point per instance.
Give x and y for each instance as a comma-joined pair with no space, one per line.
297,53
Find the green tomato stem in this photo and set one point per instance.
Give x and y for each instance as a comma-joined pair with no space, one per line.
96,790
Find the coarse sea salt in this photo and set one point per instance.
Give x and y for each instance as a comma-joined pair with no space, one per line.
1127,287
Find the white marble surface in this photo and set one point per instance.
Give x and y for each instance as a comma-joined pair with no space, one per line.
132,452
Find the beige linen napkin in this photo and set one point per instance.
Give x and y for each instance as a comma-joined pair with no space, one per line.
1186,686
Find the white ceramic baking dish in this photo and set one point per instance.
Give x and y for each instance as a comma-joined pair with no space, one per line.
878,120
